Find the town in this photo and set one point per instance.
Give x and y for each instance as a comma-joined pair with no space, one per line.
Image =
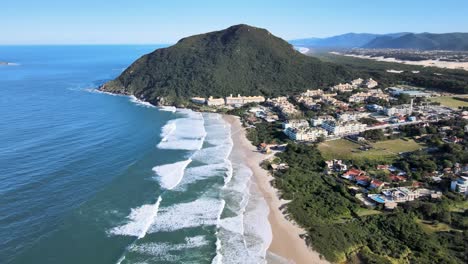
362,114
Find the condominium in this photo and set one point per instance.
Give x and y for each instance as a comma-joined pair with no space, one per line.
364,96
352,116
283,105
241,100
305,134
317,121
295,123
370,83
343,128
214,101
405,109
198,100
344,87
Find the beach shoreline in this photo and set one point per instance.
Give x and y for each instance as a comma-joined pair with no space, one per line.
286,241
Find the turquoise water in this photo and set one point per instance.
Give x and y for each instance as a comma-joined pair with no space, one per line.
87,177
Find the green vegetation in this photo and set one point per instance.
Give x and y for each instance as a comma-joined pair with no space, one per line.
384,151
240,59
453,102
342,231
270,133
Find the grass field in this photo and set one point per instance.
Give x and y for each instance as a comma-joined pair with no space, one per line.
383,150
449,101
428,227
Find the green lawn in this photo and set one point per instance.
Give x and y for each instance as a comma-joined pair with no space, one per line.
428,227
366,212
383,150
449,101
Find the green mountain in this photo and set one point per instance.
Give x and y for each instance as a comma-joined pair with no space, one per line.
240,59
423,41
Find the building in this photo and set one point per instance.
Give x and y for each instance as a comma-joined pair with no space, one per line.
241,100
369,83
336,165
343,128
352,174
405,109
357,82
317,121
214,101
395,91
283,105
460,185
371,94
343,87
305,134
352,116
374,107
296,123
198,100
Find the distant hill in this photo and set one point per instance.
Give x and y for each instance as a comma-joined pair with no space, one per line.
349,40
240,59
423,41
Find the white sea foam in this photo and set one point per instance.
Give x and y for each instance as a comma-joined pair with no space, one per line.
186,133
139,220
172,109
170,175
160,249
197,173
139,102
203,211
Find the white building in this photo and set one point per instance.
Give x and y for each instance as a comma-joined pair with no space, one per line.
406,109
240,100
352,116
296,123
343,87
460,185
343,128
305,134
357,82
214,101
317,121
370,83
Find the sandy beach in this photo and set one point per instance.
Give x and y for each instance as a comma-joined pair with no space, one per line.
286,242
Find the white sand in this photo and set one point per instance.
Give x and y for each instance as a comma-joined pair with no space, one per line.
286,242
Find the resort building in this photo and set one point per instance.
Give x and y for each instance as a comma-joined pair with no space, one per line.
214,101
343,87
370,83
241,100
305,134
283,105
402,110
343,128
357,82
371,94
352,116
317,121
296,123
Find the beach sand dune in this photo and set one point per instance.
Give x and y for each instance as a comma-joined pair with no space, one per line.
286,241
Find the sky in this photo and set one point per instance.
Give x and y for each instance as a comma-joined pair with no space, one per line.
155,21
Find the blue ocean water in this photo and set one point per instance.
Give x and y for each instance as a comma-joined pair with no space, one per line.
88,177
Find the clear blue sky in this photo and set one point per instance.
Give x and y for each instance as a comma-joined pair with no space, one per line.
158,21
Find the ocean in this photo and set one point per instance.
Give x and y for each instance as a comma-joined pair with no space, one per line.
89,177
